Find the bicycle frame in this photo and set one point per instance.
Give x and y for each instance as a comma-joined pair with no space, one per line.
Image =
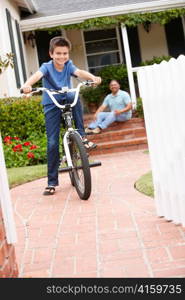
77,152
64,90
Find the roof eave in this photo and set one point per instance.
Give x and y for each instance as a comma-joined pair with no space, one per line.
74,18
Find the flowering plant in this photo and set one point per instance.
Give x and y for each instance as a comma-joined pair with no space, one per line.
22,153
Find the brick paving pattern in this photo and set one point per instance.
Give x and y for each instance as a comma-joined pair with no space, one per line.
116,233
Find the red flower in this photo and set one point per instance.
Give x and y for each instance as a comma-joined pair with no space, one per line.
33,147
30,155
7,139
17,148
16,138
27,144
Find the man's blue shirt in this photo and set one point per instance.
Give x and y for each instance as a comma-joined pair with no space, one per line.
118,101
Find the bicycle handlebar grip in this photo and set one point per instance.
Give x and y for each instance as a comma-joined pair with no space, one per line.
32,90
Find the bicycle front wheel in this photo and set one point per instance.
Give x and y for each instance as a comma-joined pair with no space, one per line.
81,174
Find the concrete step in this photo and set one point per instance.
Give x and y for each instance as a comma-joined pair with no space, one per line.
120,145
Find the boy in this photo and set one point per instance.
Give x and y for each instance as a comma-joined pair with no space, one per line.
55,74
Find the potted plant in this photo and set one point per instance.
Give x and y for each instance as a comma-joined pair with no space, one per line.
92,97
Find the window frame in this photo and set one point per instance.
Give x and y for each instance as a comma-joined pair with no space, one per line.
119,50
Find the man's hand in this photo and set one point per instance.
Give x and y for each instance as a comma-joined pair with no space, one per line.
117,112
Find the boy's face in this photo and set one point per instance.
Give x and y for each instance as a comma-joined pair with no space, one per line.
60,55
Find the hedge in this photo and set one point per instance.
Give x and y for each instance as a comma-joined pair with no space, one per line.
22,117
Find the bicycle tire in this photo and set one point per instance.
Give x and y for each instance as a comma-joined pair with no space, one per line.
81,175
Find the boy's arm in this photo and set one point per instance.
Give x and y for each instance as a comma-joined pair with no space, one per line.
27,86
88,76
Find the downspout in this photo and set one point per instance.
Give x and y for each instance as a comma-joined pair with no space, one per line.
129,65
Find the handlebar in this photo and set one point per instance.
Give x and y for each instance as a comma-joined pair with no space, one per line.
64,90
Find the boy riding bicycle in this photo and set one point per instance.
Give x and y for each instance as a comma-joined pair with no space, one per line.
56,74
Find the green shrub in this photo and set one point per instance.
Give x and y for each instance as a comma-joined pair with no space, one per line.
155,60
21,117
139,109
97,94
92,94
118,72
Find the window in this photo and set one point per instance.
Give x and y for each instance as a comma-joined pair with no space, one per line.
102,48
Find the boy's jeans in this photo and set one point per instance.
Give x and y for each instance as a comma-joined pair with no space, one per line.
53,124
104,119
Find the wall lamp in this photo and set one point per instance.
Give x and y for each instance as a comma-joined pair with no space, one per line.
147,26
30,38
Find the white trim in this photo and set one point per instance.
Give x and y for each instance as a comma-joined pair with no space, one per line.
103,52
129,65
78,17
31,7
183,25
84,49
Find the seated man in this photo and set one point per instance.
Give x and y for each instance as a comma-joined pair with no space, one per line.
120,105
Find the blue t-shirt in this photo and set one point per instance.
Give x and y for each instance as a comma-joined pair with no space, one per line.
54,79
118,101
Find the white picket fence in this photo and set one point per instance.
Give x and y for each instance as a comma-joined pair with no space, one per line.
5,201
162,89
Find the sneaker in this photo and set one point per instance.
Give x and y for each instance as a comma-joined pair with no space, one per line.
96,130
88,130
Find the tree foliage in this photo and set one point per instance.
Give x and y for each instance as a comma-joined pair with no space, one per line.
6,61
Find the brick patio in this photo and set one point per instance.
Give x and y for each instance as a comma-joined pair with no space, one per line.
116,233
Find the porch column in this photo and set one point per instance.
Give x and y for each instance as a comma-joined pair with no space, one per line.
129,65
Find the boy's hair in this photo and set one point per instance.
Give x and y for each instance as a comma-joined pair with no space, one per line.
59,41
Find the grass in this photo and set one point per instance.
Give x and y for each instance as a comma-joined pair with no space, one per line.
22,175
145,184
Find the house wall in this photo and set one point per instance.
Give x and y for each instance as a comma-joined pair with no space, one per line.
153,43
8,85
7,82
31,57
8,264
77,52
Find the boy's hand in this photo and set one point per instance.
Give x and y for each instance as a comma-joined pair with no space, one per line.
26,89
97,80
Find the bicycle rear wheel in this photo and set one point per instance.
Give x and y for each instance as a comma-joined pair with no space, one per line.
81,174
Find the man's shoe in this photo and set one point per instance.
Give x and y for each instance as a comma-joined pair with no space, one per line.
96,130
88,130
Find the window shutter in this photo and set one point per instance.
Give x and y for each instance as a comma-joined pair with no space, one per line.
134,46
21,50
175,37
12,42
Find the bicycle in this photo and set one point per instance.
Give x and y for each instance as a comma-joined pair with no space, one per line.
75,156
